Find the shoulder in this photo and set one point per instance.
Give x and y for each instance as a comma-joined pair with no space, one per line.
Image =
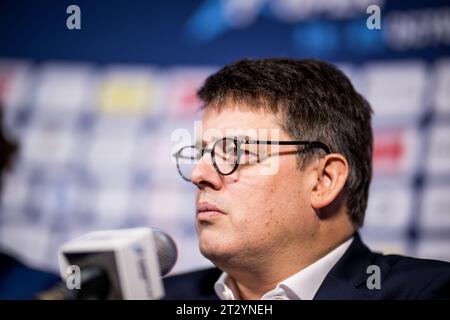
416,278
192,285
363,274
18,281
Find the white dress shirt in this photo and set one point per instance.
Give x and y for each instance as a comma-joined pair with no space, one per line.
301,286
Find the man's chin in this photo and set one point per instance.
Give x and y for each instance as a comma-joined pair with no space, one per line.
214,251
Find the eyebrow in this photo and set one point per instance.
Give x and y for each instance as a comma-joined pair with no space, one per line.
203,143
244,138
239,137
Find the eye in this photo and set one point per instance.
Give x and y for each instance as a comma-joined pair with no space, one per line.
249,157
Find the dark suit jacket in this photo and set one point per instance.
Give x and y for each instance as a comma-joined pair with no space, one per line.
401,278
18,281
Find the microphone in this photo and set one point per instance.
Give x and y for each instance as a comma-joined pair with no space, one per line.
114,265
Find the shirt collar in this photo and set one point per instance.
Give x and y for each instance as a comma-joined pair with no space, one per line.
302,285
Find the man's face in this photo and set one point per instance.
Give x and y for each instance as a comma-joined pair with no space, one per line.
262,215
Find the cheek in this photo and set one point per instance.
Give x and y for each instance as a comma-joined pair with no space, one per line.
259,209
270,223
255,226
264,204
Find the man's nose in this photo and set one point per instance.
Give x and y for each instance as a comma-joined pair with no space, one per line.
205,175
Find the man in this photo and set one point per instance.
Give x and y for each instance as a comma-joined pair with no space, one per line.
17,281
279,206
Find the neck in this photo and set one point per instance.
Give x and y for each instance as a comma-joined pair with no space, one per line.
252,281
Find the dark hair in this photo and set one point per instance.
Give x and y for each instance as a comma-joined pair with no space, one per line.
316,102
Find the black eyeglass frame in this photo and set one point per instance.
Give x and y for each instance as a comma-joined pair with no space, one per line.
238,142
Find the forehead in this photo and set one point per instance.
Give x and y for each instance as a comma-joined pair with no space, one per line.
237,121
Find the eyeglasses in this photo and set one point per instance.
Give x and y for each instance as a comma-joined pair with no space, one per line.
226,154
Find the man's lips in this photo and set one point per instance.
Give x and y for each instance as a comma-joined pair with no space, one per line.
206,211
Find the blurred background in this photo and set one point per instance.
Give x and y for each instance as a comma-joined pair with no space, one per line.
94,111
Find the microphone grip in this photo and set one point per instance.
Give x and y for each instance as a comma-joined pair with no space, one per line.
94,285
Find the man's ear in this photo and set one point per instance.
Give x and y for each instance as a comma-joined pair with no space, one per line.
332,174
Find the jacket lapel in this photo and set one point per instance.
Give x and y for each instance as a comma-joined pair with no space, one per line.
349,274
